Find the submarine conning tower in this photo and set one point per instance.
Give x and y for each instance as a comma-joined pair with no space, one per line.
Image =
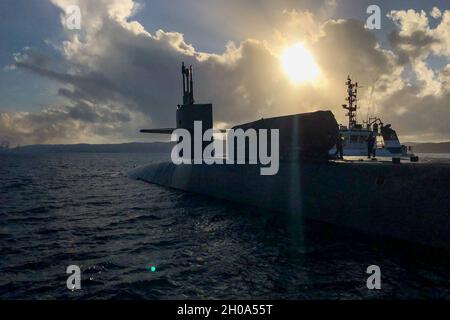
190,111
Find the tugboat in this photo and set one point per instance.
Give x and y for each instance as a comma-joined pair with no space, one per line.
355,137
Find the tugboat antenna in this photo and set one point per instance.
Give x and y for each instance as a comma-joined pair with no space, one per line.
352,98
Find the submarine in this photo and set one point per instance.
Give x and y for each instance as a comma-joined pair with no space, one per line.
408,201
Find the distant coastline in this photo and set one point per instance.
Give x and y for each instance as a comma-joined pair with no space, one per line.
133,147
164,147
430,147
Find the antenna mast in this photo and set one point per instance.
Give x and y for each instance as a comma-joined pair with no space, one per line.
352,107
188,85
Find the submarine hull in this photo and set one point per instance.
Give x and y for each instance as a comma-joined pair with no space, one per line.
409,202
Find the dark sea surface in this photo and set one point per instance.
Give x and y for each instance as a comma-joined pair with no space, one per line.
63,209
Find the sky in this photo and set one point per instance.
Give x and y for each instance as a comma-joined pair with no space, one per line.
120,71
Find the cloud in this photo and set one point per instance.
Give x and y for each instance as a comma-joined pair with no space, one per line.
423,103
416,37
436,13
117,77
415,42
413,39
73,123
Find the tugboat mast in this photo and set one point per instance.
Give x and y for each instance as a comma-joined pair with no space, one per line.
352,107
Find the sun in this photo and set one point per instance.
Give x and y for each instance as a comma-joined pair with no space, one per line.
299,64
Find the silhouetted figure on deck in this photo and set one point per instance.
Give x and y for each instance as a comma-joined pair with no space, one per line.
371,140
339,147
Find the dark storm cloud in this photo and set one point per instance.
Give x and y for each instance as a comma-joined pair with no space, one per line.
407,111
348,48
66,124
91,85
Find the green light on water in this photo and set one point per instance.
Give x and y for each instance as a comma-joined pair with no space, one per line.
153,269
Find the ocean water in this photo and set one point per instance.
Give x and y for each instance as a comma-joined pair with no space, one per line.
82,209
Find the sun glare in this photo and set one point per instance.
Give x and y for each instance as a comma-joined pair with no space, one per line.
299,64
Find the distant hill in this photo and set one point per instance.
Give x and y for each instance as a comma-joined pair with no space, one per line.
439,147
166,147
134,147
